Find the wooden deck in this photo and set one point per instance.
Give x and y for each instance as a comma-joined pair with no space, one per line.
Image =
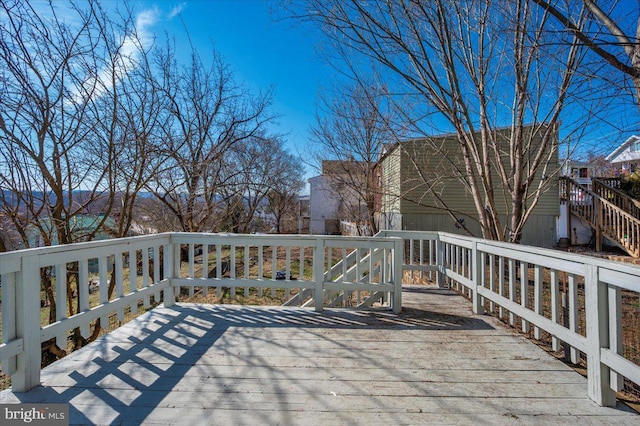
435,363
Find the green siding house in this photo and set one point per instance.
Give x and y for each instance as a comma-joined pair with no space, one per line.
422,187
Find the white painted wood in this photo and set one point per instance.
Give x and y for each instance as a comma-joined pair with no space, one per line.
512,290
192,260
101,311
537,297
218,268
169,255
61,302
205,266
133,278
596,309
83,274
555,306
614,317
574,317
119,275
257,365
27,373
620,364
477,262
524,292
318,275
357,267
104,285
574,339
9,336
397,276
501,284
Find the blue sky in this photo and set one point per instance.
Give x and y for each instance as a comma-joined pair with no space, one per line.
263,51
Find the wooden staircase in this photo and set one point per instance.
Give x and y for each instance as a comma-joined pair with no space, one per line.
608,211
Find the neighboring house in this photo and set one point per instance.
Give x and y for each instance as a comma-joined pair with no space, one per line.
417,179
333,198
626,158
323,206
80,227
579,171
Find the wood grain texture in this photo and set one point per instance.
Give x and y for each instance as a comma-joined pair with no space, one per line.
435,363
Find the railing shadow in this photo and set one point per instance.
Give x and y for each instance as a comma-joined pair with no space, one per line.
125,375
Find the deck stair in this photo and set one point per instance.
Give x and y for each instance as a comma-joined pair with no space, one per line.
608,211
355,266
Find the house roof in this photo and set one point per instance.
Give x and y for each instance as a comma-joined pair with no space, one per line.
619,150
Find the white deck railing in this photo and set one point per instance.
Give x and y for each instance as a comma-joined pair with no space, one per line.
133,264
517,282
520,284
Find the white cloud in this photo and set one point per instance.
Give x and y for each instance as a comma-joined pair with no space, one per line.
176,10
127,54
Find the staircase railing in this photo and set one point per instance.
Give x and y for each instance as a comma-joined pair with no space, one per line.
608,219
607,188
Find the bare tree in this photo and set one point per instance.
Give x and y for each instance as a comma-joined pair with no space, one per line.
351,128
67,126
205,115
284,192
254,167
471,67
611,30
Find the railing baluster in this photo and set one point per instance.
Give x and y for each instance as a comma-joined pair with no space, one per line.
9,314
61,302
104,287
133,279
119,272
614,317
232,272
144,254
492,280
83,289
524,292
246,269
537,298
205,267
274,268
555,306
573,313
260,268
218,270
192,261
156,266
501,283
512,289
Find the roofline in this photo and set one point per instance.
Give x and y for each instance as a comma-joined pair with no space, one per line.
447,135
622,147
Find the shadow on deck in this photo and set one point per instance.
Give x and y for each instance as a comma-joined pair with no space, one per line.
223,364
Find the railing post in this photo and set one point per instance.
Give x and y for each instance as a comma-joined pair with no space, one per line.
318,274
27,374
439,263
615,331
596,307
477,271
169,252
397,274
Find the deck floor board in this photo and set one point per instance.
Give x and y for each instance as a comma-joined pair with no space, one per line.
435,363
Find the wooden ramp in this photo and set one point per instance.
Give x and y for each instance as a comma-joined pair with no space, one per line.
215,365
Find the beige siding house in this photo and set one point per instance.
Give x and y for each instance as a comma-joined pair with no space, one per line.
422,190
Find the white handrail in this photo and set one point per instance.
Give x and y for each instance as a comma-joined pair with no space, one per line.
21,273
502,276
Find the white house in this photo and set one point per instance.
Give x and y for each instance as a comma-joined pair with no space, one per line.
626,158
323,206
579,171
